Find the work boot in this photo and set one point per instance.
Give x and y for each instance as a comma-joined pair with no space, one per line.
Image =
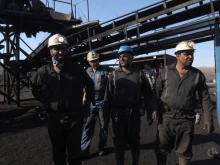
119,155
161,159
102,153
183,161
84,153
135,156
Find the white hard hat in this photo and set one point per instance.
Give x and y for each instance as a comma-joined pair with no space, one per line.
185,45
57,39
92,55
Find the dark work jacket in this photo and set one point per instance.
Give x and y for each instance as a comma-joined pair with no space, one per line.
64,90
123,90
180,93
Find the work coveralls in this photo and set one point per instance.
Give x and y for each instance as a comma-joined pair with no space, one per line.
62,96
178,101
122,101
99,78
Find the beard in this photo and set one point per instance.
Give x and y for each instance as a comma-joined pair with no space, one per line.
59,58
125,65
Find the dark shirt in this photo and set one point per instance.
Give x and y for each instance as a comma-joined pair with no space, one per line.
65,90
180,93
124,90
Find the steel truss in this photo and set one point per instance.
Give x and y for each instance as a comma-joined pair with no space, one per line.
13,23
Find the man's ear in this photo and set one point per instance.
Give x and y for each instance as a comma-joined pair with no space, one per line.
177,56
50,49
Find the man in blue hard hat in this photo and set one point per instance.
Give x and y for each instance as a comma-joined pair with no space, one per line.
122,103
99,75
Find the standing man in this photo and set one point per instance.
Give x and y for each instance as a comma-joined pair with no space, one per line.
150,74
59,86
176,87
99,75
122,102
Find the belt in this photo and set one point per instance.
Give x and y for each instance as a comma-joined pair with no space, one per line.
188,111
125,109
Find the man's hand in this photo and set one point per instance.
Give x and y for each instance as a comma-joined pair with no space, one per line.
154,116
209,126
151,116
84,100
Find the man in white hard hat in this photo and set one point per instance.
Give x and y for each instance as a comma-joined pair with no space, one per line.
60,87
99,75
176,87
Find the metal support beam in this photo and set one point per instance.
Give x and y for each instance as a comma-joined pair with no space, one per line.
217,68
7,74
125,34
212,8
17,57
90,47
136,17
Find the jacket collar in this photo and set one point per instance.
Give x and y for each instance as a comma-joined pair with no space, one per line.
91,70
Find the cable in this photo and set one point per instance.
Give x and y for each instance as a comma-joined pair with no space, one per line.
81,10
80,2
80,16
105,7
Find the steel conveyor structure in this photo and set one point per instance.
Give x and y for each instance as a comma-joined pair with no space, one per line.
29,17
156,27
153,28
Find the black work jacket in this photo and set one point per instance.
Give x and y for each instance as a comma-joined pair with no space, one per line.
123,90
64,90
180,93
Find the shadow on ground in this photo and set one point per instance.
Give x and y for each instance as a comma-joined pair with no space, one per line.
13,125
214,137
206,162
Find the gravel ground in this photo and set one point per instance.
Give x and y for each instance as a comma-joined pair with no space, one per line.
27,143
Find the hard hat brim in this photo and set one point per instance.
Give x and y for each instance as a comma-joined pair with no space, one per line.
185,50
93,59
131,52
57,44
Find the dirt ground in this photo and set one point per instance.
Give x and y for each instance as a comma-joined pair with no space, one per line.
28,143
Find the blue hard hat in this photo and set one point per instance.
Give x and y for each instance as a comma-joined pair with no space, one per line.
124,49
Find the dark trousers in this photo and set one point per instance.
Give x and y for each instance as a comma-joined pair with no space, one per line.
177,134
126,129
96,112
66,139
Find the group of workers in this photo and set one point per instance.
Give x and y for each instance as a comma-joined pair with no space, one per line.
67,90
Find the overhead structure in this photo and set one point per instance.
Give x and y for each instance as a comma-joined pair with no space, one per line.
29,17
153,28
